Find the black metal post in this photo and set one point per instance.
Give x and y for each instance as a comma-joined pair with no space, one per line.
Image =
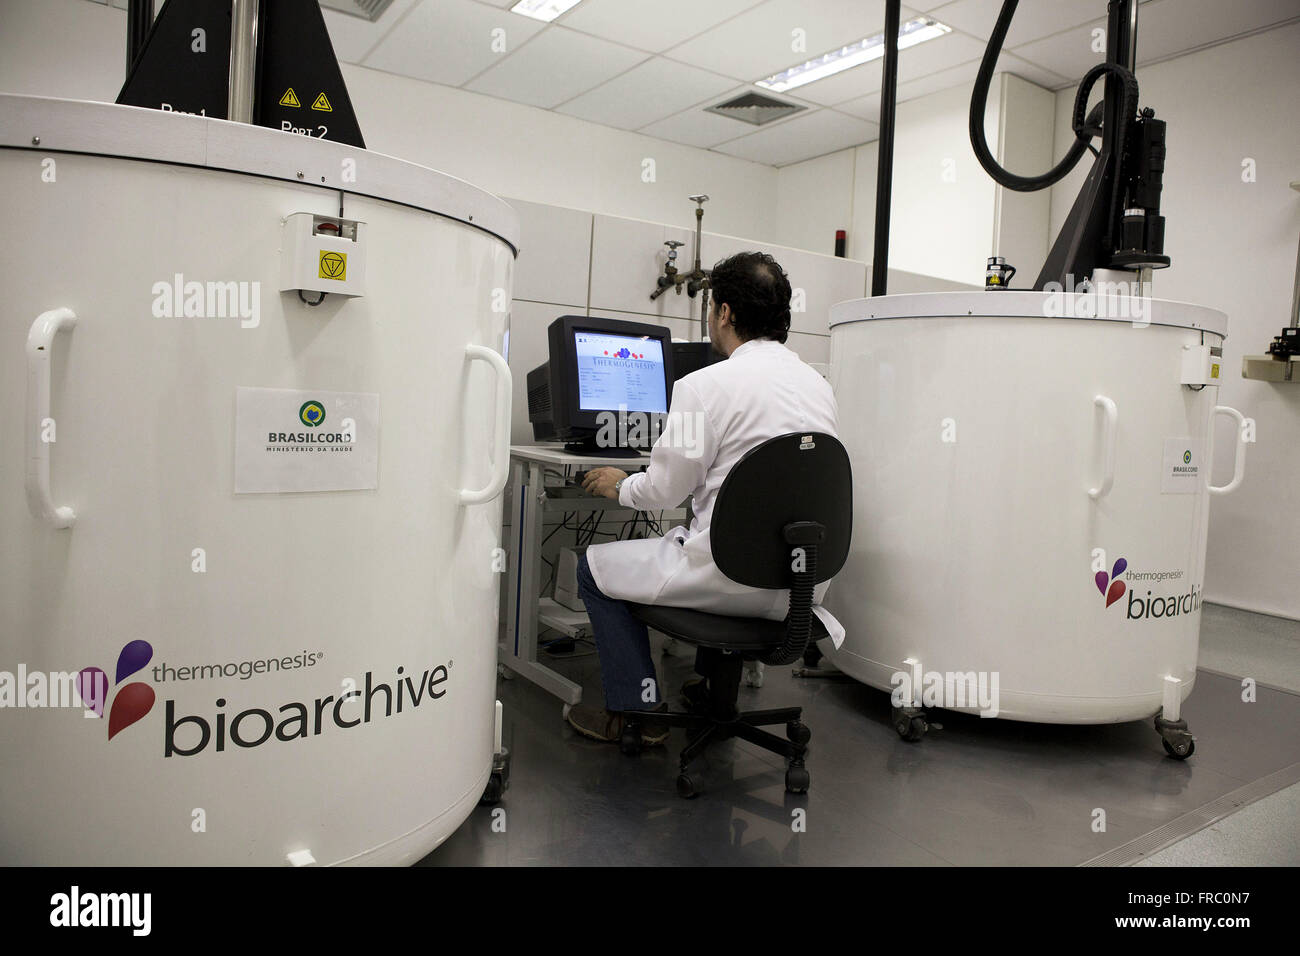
139,19
885,150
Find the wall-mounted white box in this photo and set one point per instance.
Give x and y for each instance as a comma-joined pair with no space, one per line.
322,254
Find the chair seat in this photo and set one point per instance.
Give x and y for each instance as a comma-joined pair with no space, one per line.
718,630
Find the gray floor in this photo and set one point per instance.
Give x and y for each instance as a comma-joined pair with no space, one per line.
973,792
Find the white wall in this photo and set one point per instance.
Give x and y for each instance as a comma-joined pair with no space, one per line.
947,216
1233,246
813,199
546,157
65,48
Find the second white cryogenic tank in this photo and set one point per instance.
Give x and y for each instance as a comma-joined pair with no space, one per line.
1031,494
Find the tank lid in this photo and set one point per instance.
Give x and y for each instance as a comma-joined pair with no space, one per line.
106,129
1032,305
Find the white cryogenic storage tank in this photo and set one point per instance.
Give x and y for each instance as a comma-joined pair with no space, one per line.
1031,488
260,534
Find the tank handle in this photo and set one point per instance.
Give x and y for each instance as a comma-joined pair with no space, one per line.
1109,440
40,341
1239,457
501,435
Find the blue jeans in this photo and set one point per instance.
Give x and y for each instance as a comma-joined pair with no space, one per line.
623,645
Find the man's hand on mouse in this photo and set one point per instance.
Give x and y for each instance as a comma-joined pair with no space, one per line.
601,481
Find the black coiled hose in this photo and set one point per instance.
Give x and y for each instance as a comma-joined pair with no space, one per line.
798,622
1084,129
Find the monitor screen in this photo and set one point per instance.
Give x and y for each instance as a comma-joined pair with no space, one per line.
620,371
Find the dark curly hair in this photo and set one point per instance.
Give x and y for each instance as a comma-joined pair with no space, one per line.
758,291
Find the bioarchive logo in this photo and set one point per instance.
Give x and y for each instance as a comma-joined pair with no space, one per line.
1117,588
366,700
1150,606
131,702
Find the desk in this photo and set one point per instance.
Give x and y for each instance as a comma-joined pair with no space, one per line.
528,464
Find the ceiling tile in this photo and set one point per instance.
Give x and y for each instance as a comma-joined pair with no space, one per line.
555,67
354,37
1169,27
1047,79
802,137
760,41
694,127
915,62
652,25
868,107
1166,28
449,41
1069,53
1033,20
647,93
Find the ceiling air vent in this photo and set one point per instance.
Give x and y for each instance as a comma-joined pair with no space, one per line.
754,108
370,10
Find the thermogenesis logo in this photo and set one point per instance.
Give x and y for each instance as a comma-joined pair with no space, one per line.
243,669
1151,605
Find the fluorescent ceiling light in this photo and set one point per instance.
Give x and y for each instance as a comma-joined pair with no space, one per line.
855,54
544,10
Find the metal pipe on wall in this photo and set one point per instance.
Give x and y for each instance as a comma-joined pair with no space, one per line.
885,153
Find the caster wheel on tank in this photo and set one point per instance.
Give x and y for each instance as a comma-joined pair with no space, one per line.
798,733
499,780
812,654
1175,738
910,723
689,785
495,790
797,779
630,741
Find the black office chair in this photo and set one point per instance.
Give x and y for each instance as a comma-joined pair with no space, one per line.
782,520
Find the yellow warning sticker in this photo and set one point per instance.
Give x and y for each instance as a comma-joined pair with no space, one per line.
334,265
323,104
290,98
1214,370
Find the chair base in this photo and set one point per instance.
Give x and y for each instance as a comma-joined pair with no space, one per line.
719,719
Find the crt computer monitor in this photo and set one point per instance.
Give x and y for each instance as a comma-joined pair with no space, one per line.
597,370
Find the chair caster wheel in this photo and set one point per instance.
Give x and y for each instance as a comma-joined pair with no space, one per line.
797,780
630,741
1179,749
910,723
798,733
812,654
688,786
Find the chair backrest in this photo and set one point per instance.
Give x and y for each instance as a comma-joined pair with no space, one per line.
801,477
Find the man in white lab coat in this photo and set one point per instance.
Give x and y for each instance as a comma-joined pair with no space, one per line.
718,414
